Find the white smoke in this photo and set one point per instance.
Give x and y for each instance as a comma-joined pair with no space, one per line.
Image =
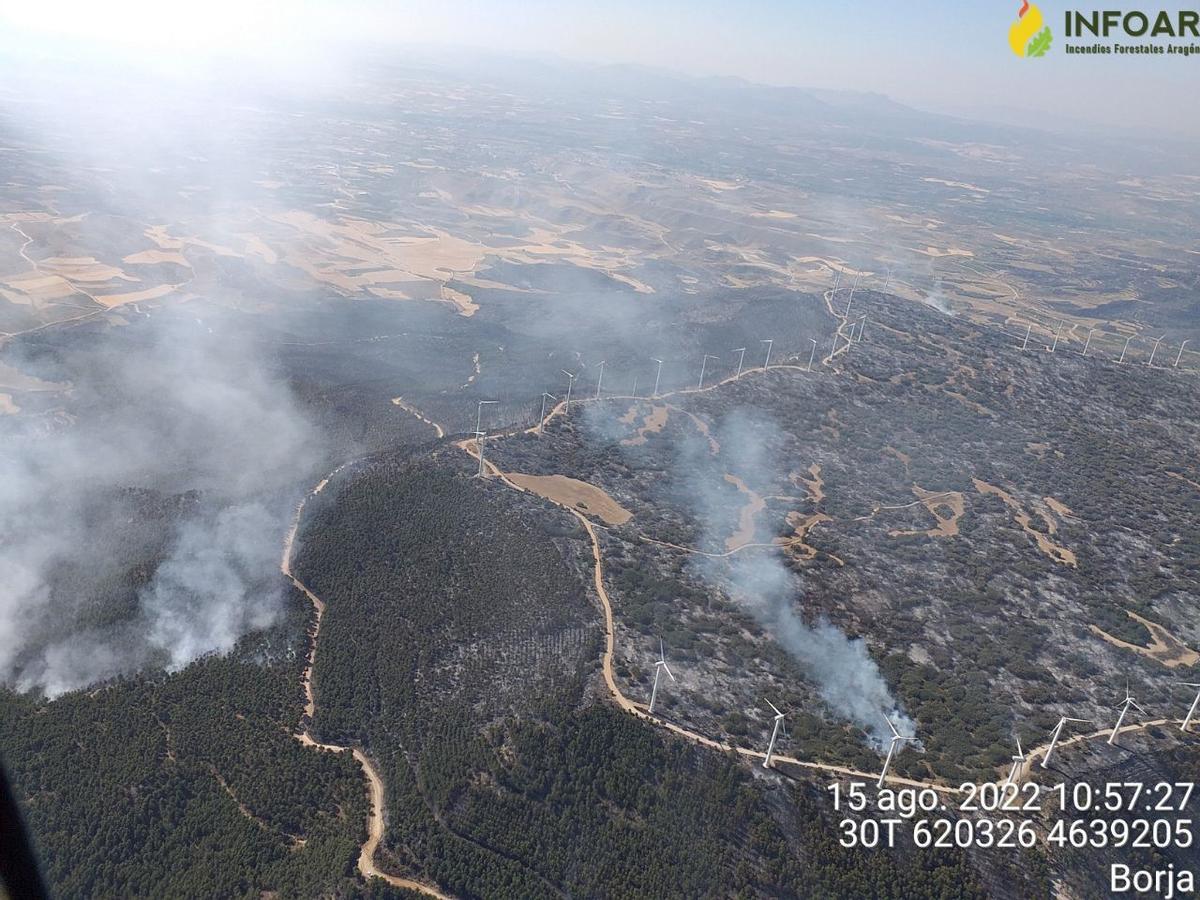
202,597
196,429
845,675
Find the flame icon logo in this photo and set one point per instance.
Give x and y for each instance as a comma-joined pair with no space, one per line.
1027,36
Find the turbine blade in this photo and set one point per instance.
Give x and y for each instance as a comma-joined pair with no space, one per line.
888,719
778,714
667,669
1138,707
1020,752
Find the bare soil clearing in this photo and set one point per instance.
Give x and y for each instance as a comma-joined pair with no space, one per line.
748,516
573,494
1164,647
1025,520
814,485
947,525
652,423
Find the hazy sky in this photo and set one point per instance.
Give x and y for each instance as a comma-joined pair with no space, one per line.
946,56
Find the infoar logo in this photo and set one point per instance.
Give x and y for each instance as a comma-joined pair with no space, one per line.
1027,36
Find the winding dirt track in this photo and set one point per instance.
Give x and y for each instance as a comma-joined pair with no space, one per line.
640,710
375,820
366,860
469,446
1040,751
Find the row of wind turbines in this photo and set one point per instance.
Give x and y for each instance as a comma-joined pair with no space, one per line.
855,335
857,329
897,739
1124,350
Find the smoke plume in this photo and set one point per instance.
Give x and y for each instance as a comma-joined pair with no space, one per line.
143,528
846,677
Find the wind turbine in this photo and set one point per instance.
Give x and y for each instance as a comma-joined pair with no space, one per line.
1123,706
1187,720
888,280
479,434
1180,355
1057,334
1016,763
1056,734
1028,331
479,412
853,288
657,375
774,735
703,365
897,740
542,420
767,363
837,280
570,384
741,351
1155,350
659,667
1088,342
862,326
600,380
813,353
1126,347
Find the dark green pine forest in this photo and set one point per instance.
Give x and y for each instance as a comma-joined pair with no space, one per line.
460,648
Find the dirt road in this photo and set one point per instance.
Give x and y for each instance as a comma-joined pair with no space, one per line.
375,817
468,446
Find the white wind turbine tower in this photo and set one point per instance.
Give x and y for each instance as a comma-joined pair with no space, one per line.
862,325
1056,734
1123,706
1180,356
703,365
1028,331
774,735
1057,335
837,280
1088,342
570,384
600,380
741,352
1016,763
767,362
897,740
657,375
812,353
1187,720
1126,347
479,433
853,288
659,667
542,420
1155,350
